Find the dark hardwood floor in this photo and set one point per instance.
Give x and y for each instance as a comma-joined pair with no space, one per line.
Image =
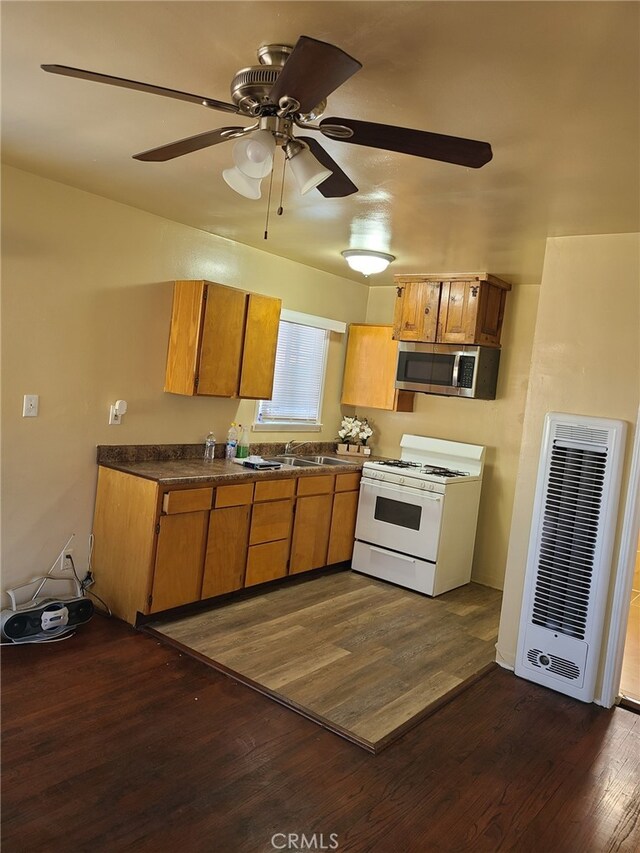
114,742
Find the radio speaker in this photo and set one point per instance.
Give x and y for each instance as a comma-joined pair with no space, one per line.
45,619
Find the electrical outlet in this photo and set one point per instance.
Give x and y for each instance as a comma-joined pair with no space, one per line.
67,560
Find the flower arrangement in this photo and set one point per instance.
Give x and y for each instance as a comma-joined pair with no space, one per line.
355,431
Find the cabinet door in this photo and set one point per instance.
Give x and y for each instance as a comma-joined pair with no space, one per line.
221,345
343,526
310,533
260,342
491,312
184,337
267,562
458,312
416,311
370,370
270,521
179,560
226,556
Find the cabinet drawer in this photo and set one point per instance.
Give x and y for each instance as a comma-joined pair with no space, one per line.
241,493
348,482
273,490
270,521
316,485
187,500
267,562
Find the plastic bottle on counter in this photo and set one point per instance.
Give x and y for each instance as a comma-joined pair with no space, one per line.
243,444
232,442
210,447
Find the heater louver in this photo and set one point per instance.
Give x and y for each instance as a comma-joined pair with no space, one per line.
570,553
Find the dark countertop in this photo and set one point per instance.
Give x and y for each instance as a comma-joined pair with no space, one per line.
182,471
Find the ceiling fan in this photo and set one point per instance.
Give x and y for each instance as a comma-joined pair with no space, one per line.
288,90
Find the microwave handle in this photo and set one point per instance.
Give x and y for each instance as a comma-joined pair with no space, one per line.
456,369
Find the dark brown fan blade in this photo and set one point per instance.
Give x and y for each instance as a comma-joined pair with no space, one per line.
339,184
66,71
420,143
186,146
313,71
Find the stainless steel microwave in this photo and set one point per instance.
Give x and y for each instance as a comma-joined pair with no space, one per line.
448,369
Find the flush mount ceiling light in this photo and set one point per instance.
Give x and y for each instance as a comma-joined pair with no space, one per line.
367,261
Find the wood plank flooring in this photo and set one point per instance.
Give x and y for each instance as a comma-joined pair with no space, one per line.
363,657
114,742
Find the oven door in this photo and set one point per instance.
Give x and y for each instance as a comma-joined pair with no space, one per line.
400,518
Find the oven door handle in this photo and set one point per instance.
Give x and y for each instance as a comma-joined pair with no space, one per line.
396,556
409,491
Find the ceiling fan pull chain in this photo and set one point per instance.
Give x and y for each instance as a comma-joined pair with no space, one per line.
266,224
281,209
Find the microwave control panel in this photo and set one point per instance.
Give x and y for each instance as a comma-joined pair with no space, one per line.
466,370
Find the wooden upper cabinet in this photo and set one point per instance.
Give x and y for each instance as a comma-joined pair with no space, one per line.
415,316
222,341
260,342
370,370
465,308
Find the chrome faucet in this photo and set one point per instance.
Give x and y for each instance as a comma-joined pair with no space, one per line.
294,445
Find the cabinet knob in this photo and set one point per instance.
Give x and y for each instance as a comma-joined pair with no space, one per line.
427,309
474,290
399,291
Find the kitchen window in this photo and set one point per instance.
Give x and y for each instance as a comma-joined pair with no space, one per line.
298,385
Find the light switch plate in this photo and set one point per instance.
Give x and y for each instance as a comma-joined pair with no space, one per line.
30,406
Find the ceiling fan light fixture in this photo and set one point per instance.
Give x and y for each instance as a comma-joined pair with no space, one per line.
242,184
253,153
367,261
307,169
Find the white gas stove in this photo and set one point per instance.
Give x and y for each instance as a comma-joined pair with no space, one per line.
417,515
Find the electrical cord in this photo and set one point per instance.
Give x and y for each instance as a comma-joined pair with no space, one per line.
83,584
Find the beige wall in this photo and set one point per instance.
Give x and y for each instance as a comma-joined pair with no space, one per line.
497,424
86,299
585,360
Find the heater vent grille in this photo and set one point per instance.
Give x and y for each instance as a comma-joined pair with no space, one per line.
582,433
570,550
568,540
553,663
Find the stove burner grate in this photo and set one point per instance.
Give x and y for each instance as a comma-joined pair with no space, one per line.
400,463
443,472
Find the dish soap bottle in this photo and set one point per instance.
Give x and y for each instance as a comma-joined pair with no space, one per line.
243,444
210,447
232,442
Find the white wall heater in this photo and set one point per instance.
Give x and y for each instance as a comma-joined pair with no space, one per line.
570,550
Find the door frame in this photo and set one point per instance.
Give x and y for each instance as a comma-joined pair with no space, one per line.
621,595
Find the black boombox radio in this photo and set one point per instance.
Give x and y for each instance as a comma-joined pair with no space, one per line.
44,618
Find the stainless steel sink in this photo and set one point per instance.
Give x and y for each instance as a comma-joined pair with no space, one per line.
326,460
296,461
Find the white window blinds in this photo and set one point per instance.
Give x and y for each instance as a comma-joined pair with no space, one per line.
298,378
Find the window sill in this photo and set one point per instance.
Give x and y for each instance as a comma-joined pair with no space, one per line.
286,427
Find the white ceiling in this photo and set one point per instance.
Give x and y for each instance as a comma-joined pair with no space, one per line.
553,86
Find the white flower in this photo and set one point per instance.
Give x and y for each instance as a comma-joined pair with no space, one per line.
354,430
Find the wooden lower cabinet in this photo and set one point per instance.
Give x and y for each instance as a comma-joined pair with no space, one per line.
310,533
177,577
226,556
158,548
267,562
343,526
270,521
